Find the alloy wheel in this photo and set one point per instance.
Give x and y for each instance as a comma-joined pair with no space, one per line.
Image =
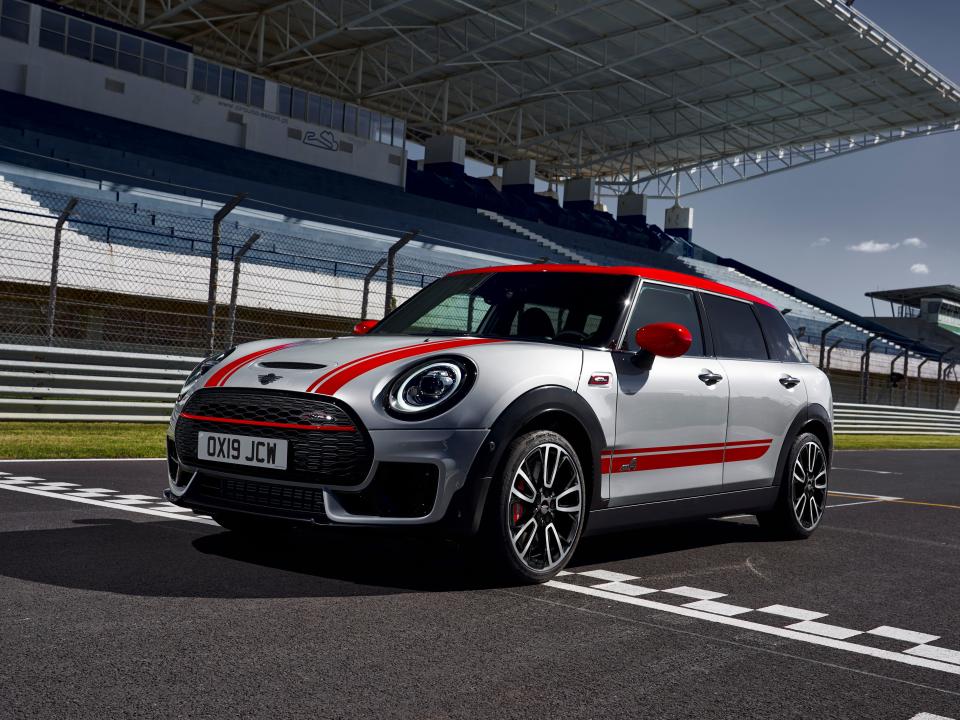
809,485
545,507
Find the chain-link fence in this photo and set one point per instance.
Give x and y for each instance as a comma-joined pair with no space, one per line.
111,275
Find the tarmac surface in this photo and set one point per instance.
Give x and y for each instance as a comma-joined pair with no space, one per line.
114,604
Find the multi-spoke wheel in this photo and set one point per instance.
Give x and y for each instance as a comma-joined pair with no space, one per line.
542,505
803,490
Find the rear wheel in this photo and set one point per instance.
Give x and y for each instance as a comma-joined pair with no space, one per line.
537,511
803,491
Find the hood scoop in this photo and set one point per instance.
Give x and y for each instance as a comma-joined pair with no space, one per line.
292,365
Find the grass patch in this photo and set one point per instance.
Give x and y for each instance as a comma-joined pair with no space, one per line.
34,440
898,442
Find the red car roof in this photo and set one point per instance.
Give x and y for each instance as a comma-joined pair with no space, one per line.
669,276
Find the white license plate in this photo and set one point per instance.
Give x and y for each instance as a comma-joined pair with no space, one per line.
242,450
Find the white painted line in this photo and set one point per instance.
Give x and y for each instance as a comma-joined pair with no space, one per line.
169,508
712,606
608,575
87,494
99,490
133,501
626,588
906,635
935,653
876,472
57,485
559,574
830,631
859,502
140,497
696,593
864,495
28,478
792,612
4,474
110,505
761,628
929,716
47,460
15,481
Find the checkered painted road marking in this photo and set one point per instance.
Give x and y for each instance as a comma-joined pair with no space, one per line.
800,624
155,505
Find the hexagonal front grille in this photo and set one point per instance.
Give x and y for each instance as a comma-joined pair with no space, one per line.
319,450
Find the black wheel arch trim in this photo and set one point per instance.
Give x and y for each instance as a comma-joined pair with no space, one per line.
467,505
812,414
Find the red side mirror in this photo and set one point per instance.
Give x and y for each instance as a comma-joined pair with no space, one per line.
364,326
664,339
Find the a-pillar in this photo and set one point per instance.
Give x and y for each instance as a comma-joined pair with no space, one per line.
678,222
445,154
632,209
578,194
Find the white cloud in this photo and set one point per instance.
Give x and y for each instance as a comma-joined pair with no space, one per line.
872,246
914,242
820,242
919,269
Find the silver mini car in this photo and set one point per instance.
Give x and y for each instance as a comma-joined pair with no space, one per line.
528,404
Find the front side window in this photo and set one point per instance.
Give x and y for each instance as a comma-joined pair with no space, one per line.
660,303
736,332
559,307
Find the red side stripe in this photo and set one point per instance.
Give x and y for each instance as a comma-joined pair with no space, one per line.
264,423
667,448
640,459
329,383
220,377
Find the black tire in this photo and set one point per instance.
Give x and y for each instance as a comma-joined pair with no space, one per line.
249,525
552,506
803,491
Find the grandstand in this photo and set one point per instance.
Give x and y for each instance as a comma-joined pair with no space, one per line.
134,129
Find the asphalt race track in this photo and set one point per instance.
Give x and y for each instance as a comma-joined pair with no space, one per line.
115,605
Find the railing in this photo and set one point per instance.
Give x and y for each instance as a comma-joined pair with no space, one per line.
49,383
857,419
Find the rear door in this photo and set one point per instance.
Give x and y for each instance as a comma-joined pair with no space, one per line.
671,415
765,396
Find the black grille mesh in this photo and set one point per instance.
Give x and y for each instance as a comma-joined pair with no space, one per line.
313,456
239,494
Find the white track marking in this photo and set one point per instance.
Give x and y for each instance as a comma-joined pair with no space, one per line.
929,716
136,496
110,505
170,508
936,653
864,495
87,494
761,628
47,460
695,593
858,502
132,501
27,478
909,636
876,472
831,631
712,606
792,612
608,575
57,485
15,481
626,588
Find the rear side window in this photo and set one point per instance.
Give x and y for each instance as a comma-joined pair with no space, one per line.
736,332
780,340
658,303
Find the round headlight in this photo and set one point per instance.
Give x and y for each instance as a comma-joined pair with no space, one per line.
429,388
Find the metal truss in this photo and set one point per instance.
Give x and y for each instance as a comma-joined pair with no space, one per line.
628,91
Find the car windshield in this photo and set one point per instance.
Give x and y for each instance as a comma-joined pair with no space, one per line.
562,307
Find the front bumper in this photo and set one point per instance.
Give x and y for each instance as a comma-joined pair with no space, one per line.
413,479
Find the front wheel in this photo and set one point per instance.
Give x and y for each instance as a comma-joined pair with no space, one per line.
537,510
803,491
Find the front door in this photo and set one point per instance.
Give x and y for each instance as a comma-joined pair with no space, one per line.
671,416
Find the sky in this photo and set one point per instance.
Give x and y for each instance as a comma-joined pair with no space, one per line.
880,219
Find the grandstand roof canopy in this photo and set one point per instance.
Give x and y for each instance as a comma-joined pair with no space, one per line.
625,90
912,296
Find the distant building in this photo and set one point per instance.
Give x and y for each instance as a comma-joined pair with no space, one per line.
929,314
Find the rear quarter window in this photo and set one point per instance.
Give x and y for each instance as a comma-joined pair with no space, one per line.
736,331
781,341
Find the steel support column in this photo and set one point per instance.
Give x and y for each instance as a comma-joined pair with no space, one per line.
215,265
823,339
865,368
235,285
391,256
55,266
367,279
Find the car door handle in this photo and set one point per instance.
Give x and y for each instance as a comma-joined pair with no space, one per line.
789,381
708,377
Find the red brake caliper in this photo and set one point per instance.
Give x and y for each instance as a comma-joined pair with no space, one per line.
516,512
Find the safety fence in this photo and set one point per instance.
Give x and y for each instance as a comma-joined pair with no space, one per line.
87,273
